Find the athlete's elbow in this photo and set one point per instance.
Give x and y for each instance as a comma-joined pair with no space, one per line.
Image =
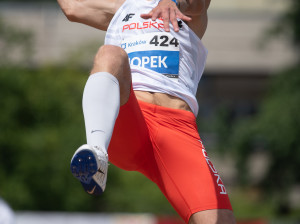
70,13
70,10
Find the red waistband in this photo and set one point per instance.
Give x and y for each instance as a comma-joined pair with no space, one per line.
168,112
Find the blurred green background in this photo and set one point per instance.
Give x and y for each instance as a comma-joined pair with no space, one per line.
41,125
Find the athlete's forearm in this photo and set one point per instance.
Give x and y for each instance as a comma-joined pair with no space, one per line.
93,13
193,7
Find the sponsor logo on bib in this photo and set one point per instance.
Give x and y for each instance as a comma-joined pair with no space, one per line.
158,51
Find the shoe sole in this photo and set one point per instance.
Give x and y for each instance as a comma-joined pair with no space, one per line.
84,167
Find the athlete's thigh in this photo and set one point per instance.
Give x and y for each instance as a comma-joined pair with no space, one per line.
130,142
189,179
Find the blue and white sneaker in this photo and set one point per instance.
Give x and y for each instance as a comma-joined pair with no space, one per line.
90,165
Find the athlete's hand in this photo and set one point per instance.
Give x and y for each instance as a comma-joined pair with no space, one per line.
169,12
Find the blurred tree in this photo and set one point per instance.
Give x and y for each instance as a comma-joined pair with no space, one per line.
287,25
274,131
40,120
41,125
275,128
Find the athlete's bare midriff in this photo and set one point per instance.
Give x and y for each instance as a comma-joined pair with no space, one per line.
162,99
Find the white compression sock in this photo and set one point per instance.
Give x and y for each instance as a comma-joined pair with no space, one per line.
101,104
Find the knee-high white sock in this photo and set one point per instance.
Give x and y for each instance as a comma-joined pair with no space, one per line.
101,103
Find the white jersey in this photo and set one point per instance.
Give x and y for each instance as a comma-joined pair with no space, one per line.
165,62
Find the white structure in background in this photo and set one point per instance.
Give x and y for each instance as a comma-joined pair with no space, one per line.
7,216
82,218
235,28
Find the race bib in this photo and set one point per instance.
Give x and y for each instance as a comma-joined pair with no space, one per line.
157,51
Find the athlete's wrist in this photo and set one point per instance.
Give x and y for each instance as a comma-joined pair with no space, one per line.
175,1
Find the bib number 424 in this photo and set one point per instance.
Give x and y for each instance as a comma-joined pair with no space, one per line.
164,41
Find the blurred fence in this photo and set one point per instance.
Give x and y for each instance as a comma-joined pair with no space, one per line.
83,218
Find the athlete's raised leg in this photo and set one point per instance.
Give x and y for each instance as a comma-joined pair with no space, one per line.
214,216
107,88
114,60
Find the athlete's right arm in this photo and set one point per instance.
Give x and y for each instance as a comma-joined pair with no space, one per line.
95,13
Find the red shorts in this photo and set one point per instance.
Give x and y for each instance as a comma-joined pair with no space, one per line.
165,146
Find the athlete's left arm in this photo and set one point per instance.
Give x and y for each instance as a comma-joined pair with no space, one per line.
197,11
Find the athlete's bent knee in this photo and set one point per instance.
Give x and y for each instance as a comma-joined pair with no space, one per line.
112,59
112,50
214,216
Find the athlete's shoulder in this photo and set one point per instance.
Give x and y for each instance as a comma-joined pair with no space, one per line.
197,10
199,25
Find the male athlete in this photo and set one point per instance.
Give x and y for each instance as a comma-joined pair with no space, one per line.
139,102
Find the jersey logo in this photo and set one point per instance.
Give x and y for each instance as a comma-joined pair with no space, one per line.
127,17
142,26
179,23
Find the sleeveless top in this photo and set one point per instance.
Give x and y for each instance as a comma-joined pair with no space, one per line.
166,62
